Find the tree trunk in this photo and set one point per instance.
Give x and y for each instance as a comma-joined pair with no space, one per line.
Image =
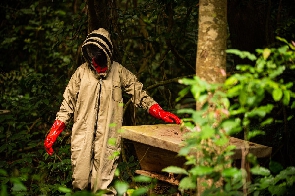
212,37
211,54
249,26
98,14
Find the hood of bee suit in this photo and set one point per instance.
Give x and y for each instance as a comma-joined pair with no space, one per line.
96,42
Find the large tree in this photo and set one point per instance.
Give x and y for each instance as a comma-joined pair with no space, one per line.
211,46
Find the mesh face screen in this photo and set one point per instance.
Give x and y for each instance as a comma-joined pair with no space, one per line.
97,54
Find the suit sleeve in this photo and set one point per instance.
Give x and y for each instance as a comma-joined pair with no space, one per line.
70,96
132,86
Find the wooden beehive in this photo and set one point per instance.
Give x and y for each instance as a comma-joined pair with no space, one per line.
157,146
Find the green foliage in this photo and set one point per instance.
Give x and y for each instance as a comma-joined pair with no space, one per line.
280,184
40,49
252,86
243,104
33,35
34,69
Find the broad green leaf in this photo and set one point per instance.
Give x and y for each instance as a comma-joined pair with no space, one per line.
191,160
3,172
198,119
260,63
271,65
231,81
112,124
259,111
254,133
267,122
201,170
196,91
230,172
140,191
277,94
175,170
234,91
3,190
188,81
142,178
257,170
187,110
9,40
240,110
202,98
266,53
289,171
112,141
121,187
184,151
66,59
18,187
182,93
286,98
225,102
280,189
187,183
265,182
283,49
130,191
274,73
207,132
243,98
64,189
282,39
242,54
290,118
114,154
232,126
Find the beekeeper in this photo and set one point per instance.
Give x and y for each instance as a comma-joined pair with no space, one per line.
93,97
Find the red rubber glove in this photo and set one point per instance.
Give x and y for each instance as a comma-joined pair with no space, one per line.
157,112
57,127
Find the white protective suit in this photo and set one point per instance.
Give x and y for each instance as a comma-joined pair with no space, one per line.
95,102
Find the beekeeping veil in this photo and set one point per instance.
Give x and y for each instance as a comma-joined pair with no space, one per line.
98,47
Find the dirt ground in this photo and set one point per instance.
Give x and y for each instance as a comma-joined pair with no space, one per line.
163,188
166,189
